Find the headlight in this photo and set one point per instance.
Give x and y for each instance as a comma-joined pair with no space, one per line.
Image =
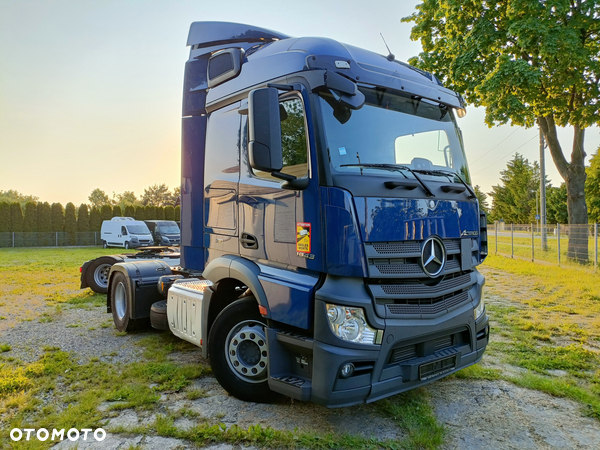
134,239
478,311
349,323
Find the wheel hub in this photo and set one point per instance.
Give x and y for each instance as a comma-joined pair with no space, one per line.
247,351
101,275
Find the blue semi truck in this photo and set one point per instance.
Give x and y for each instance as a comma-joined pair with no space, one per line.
330,237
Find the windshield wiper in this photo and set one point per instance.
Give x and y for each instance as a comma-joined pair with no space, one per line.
449,174
393,167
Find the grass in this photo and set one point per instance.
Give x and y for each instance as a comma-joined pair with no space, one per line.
550,329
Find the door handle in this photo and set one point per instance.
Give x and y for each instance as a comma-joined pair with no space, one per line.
249,241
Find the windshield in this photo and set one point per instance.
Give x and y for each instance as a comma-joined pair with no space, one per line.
138,229
393,129
168,227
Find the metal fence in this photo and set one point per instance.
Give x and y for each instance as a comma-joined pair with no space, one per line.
48,239
555,244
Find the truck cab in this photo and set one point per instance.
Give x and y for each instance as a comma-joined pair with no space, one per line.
330,237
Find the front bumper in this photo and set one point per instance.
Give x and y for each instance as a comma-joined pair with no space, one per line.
413,352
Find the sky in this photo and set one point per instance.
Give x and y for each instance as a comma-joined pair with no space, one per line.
90,90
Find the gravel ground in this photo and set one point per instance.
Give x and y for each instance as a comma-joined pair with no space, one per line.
477,414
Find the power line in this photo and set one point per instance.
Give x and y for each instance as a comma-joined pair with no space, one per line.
508,154
516,129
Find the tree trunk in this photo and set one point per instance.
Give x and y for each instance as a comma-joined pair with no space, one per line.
574,175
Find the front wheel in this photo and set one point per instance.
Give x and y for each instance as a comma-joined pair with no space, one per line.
238,351
126,245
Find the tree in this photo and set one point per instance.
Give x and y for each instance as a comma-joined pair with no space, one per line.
83,219
71,223
98,198
57,217
44,217
169,213
116,211
140,213
160,213
482,197
30,217
514,199
4,217
157,195
95,219
106,213
12,196
527,62
177,213
592,188
129,211
556,204
16,217
150,212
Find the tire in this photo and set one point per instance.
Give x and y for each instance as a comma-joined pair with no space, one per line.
238,352
120,294
96,274
158,315
126,245
104,244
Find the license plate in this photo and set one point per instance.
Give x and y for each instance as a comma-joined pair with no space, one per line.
436,368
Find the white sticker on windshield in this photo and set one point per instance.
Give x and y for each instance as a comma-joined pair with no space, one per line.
342,150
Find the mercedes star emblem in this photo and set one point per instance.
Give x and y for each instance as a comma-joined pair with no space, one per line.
433,256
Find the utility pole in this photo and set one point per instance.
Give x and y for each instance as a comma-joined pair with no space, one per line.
543,192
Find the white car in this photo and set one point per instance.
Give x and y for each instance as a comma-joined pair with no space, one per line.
125,232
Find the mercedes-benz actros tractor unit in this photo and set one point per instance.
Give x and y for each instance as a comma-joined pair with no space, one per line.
330,236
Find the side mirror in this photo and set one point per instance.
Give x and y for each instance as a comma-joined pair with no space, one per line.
264,126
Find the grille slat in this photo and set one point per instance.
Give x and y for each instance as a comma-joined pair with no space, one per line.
422,289
427,306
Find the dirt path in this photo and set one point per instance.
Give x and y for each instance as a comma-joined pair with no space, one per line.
477,414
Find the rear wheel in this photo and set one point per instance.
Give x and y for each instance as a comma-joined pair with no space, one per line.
239,353
104,244
97,274
120,304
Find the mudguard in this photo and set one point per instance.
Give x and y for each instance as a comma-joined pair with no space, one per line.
230,266
142,277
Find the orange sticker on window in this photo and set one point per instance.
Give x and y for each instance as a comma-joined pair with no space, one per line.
303,237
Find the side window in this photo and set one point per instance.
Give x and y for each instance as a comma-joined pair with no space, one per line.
293,140
123,231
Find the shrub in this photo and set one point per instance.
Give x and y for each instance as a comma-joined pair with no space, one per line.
30,217
57,217
71,223
95,219
106,213
44,217
4,217
16,217
83,218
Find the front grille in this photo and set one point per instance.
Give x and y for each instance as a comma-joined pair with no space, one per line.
418,306
403,354
384,248
402,259
424,290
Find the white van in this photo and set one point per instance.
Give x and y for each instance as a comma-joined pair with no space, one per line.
125,232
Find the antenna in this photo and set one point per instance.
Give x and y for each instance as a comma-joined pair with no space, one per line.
391,56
